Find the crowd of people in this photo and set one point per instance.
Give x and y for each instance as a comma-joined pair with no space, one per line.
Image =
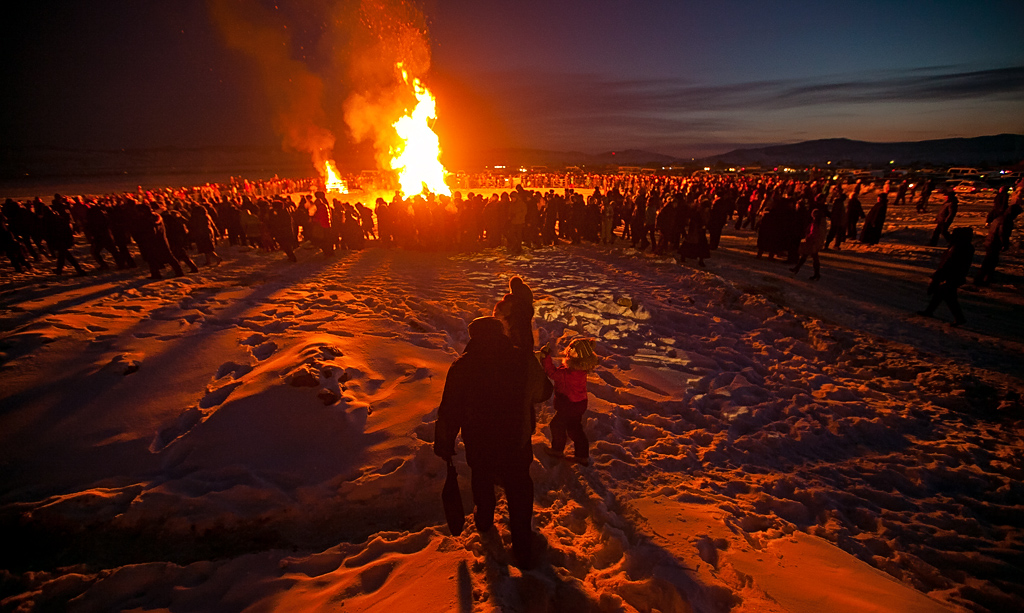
670,216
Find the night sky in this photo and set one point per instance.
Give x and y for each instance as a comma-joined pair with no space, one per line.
683,78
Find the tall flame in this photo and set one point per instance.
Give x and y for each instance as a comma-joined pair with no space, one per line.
332,181
417,158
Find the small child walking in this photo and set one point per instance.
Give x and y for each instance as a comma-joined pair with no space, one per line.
570,381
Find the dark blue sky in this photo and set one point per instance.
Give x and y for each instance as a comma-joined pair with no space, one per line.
683,78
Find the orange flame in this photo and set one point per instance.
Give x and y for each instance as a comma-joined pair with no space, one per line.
332,181
417,158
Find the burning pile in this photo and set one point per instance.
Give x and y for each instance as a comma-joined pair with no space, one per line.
417,157
378,48
332,180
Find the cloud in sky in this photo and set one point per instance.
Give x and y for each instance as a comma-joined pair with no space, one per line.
592,111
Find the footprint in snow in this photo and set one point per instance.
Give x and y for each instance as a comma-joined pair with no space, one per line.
234,369
264,351
218,396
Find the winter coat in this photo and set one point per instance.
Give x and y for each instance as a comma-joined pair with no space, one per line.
817,232
176,229
279,222
956,262
200,229
489,394
874,222
515,310
569,382
251,226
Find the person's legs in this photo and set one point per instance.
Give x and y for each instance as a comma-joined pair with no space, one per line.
482,484
580,443
799,264
559,427
518,488
817,267
954,306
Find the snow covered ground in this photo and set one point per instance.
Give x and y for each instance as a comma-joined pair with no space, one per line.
257,436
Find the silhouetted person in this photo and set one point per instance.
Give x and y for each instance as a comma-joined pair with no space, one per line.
515,310
837,219
945,219
854,211
951,274
151,236
488,396
97,230
60,236
926,194
176,229
282,230
993,247
813,241
874,221
12,248
202,230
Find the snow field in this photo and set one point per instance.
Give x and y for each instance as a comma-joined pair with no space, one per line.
258,436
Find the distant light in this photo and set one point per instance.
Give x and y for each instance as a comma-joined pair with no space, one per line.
707,168
829,162
892,161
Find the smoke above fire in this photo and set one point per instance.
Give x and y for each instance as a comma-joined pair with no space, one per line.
370,57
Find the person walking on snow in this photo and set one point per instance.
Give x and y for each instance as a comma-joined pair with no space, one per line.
814,241
951,274
570,381
489,396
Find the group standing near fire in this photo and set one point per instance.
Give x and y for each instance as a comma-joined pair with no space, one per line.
684,217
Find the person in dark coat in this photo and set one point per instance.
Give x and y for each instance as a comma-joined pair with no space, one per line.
1009,220
202,230
951,274
120,217
837,217
721,209
1000,204
97,230
515,310
854,211
875,221
489,396
945,219
151,236
12,248
695,242
20,222
176,229
282,229
926,194
771,231
993,247
60,236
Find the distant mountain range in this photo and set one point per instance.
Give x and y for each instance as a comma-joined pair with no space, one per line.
19,165
1003,149
999,150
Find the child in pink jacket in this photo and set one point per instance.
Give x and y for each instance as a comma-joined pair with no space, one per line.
570,381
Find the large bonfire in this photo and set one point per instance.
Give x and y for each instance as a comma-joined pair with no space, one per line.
417,157
415,152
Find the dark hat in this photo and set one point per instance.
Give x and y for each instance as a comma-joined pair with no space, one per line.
484,327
